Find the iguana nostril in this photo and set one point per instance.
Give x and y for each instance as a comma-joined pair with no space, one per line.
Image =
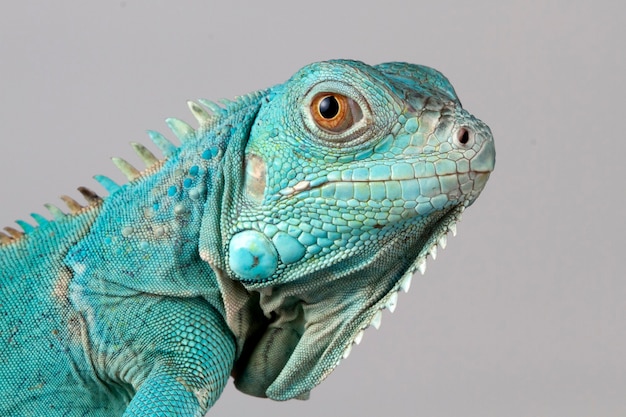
463,136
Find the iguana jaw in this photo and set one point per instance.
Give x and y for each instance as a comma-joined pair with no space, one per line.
317,329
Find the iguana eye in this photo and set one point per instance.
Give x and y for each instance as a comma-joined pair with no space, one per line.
335,113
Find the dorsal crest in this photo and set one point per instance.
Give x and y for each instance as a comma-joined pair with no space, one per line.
206,114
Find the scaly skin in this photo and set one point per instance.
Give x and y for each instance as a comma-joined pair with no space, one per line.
263,246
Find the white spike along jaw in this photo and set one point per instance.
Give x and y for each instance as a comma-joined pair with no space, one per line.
452,225
421,266
359,337
433,251
392,302
375,323
405,282
377,319
347,351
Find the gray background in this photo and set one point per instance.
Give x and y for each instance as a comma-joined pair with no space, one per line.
522,315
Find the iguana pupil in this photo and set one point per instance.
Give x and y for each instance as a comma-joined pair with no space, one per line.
329,107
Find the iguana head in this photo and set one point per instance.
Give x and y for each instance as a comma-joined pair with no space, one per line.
350,177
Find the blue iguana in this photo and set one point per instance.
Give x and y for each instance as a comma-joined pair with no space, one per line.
261,247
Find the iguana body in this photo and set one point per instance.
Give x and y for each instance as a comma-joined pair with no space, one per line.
263,246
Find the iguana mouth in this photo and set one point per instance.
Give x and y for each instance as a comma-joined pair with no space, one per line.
324,181
406,178
374,191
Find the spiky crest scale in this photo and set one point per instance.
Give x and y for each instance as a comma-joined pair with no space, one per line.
39,219
14,233
71,204
202,116
214,107
4,239
166,147
180,129
147,157
108,184
27,227
57,213
90,196
129,171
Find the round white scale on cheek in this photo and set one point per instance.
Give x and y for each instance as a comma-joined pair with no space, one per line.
252,256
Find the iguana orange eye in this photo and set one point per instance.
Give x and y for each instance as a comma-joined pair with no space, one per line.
335,113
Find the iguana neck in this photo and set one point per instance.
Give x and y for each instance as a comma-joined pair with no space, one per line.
162,213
